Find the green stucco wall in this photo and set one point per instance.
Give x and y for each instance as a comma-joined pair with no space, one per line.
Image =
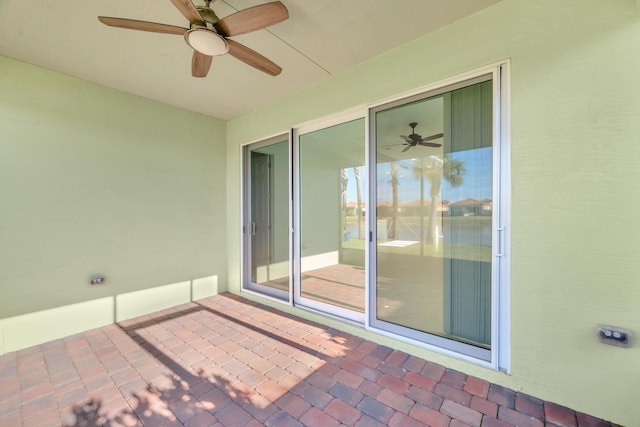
93,180
575,152
96,181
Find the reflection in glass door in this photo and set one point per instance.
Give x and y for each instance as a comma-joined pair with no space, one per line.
331,210
266,222
434,217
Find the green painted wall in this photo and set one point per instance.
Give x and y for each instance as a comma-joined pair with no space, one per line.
575,151
96,181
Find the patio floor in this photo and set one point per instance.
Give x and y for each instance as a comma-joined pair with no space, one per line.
227,361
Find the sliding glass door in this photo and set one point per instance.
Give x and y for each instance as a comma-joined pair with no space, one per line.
266,217
330,219
399,227
434,179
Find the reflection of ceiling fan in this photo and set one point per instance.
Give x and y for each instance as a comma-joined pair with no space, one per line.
416,139
208,35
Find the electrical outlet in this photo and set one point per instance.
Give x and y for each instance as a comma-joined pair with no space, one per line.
96,280
614,335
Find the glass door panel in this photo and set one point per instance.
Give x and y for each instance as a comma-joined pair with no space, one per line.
331,219
434,189
267,218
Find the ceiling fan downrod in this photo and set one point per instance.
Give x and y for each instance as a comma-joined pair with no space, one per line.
208,15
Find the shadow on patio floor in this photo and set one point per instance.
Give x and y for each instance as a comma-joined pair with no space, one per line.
226,361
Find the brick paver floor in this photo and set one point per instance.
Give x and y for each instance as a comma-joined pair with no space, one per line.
226,361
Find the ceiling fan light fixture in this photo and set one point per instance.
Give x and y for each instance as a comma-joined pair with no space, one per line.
206,41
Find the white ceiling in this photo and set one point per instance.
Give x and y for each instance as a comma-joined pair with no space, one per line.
319,39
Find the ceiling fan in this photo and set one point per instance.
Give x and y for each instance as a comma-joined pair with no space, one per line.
209,35
416,139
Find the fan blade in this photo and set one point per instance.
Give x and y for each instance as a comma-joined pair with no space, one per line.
407,147
186,8
430,144
432,137
133,24
253,58
200,64
252,19
406,138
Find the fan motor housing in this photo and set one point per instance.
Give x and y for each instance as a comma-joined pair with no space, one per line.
208,15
